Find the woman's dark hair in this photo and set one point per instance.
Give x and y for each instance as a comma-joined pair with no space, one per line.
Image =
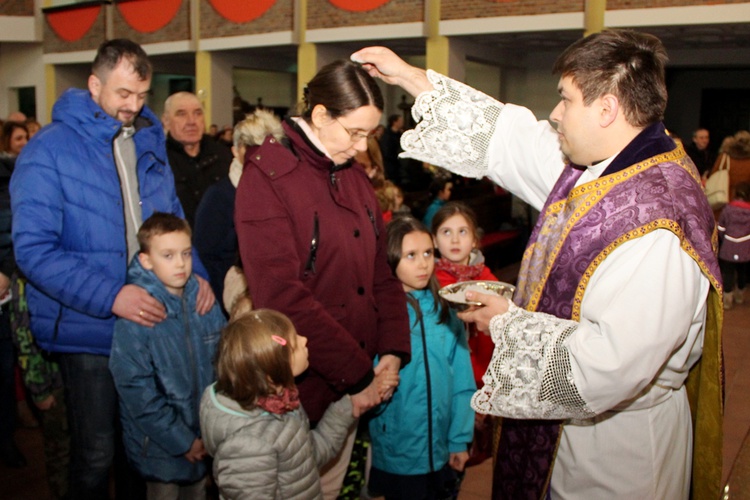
7,133
398,228
341,86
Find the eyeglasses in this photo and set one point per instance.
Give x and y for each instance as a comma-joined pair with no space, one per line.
355,136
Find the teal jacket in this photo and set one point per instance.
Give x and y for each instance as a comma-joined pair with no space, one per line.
160,374
429,416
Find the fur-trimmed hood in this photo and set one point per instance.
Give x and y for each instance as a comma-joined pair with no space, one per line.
738,145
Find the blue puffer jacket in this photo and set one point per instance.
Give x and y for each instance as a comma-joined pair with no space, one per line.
69,223
160,374
430,410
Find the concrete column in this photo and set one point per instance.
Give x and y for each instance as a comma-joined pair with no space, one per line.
50,92
593,16
307,53
203,83
443,55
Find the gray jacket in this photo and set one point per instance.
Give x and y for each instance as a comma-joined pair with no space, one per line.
262,455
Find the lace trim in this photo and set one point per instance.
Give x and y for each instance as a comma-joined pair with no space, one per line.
529,375
455,125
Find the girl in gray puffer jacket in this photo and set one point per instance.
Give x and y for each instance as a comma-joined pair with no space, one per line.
251,419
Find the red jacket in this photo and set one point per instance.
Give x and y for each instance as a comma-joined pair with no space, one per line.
313,246
480,344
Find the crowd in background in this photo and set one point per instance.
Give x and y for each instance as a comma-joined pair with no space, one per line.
249,263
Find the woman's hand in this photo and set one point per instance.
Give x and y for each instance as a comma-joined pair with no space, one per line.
383,63
492,305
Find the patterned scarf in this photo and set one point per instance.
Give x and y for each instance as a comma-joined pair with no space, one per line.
462,272
279,404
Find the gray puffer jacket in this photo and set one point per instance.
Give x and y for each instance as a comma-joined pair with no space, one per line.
262,455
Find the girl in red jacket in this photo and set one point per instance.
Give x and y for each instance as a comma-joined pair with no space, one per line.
456,236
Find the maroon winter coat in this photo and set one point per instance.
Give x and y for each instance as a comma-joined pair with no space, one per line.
313,245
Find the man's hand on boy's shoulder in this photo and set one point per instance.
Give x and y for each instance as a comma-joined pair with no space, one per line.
137,305
205,300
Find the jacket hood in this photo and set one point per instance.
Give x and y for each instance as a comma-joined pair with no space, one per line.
138,275
77,109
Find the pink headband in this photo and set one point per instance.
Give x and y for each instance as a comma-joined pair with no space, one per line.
278,340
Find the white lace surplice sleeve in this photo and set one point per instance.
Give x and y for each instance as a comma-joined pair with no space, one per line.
471,134
454,126
530,374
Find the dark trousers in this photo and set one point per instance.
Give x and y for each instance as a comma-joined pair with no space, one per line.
440,485
95,440
7,383
734,273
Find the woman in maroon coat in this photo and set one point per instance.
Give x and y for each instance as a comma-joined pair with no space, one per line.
313,242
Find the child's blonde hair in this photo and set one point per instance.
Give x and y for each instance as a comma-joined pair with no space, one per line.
256,126
253,359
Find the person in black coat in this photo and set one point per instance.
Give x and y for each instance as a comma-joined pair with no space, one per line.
197,160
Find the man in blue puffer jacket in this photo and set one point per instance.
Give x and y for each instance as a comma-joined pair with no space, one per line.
80,190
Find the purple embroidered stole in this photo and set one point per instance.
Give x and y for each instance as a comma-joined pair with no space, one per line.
650,185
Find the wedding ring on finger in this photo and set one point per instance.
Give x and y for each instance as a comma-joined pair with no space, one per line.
140,313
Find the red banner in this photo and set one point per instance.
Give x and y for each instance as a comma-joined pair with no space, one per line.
358,5
147,16
241,11
71,25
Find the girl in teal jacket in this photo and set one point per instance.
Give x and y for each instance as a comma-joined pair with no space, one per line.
421,436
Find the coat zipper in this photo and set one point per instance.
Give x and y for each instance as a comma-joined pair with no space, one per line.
191,355
371,216
429,394
310,265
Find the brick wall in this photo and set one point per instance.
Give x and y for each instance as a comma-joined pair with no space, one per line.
644,4
16,7
177,29
322,14
467,9
279,17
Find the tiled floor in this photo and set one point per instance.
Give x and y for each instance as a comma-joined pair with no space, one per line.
28,483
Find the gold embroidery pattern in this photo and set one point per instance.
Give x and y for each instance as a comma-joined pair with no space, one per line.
532,278
580,200
667,224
